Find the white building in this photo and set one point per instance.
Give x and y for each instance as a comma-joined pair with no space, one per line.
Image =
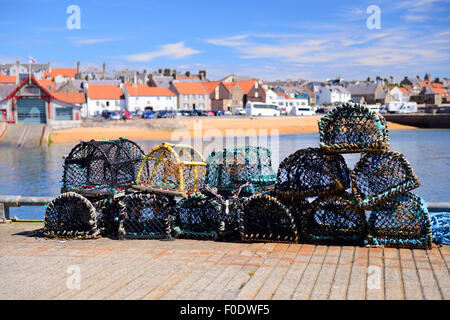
104,98
398,94
332,95
141,97
283,101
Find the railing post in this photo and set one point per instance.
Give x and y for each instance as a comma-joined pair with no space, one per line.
4,213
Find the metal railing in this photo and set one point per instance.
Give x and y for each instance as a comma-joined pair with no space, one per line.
7,201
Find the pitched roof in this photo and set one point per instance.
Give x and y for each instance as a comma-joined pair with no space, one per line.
47,84
190,88
246,85
65,72
7,79
71,97
362,88
104,92
404,90
5,91
143,90
210,85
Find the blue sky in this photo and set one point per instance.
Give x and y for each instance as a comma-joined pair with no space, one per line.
267,39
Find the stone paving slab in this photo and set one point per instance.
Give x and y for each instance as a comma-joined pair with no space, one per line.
32,267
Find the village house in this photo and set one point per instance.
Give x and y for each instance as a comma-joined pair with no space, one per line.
331,95
229,96
102,98
30,102
283,101
397,94
433,94
191,96
142,97
371,91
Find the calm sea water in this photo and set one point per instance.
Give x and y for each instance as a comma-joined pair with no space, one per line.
38,171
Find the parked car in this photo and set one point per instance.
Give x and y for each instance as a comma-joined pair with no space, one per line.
185,113
115,116
240,112
219,113
127,115
165,114
106,114
209,113
148,114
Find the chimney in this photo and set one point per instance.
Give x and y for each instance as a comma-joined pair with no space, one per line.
104,69
135,77
78,67
49,67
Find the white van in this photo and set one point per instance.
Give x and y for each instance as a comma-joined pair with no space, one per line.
373,107
261,109
302,111
408,107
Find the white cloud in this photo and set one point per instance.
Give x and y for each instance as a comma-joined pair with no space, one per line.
172,51
233,41
94,41
415,18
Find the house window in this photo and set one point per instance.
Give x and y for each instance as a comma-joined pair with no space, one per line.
202,106
186,105
98,103
201,97
117,103
157,98
107,103
186,97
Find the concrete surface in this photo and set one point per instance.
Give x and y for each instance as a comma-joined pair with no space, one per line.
32,267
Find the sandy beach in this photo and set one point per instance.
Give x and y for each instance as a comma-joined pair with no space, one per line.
172,129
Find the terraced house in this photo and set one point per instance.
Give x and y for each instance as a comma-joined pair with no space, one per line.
103,98
141,97
191,96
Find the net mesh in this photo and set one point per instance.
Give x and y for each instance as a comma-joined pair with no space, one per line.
379,176
173,168
334,219
102,165
312,172
401,222
71,215
231,168
353,128
264,218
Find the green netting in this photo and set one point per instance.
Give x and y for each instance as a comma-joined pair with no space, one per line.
248,167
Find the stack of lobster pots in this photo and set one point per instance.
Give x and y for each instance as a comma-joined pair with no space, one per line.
371,204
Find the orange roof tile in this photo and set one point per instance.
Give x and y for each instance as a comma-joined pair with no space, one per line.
404,90
104,92
65,72
143,90
47,84
7,79
188,78
210,85
190,88
71,97
246,85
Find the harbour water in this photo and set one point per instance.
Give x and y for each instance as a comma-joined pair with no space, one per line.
38,171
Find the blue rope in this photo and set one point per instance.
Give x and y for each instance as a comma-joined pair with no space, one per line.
440,227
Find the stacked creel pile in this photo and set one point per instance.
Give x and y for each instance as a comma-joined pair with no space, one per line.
380,183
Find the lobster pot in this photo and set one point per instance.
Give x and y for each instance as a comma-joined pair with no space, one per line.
311,172
379,176
335,220
101,166
198,217
145,216
353,128
71,215
401,222
265,219
172,169
298,208
247,169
